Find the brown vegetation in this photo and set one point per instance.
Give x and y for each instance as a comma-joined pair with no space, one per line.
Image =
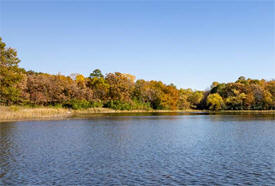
120,91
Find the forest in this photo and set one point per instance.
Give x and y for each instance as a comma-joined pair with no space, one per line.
121,91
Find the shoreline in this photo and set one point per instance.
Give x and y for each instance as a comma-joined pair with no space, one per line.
20,113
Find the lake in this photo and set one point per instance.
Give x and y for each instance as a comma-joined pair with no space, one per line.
140,149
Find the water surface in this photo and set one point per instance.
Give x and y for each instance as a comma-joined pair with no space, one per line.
157,149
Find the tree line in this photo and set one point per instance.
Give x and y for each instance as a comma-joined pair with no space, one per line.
121,91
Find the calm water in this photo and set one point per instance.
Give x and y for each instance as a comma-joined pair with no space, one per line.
137,150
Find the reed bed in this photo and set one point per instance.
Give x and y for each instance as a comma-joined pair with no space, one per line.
21,113
15,113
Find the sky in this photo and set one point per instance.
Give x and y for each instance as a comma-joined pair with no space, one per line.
187,43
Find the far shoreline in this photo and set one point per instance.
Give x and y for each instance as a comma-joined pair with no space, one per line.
20,113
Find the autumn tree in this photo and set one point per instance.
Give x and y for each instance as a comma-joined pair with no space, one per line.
215,102
270,86
121,91
142,91
121,86
99,85
46,89
169,98
10,75
184,101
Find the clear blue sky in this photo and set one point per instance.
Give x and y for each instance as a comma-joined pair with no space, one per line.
188,43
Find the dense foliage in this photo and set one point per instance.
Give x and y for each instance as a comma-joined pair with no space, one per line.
121,91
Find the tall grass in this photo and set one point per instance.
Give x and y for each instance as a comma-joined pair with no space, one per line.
18,113
51,112
58,112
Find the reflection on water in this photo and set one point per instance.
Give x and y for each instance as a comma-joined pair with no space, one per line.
228,116
157,149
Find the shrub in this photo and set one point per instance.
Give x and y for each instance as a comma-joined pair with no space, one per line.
134,105
77,104
117,105
96,104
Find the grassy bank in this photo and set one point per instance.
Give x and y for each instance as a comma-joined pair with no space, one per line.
244,111
16,113
23,113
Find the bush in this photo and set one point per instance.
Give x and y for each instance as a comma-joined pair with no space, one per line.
96,104
56,106
117,105
134,105
77,104
137,105
14,108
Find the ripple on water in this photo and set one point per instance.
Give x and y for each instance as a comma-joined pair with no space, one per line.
131,150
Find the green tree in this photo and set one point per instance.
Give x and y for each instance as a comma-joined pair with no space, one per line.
195,98
96,73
